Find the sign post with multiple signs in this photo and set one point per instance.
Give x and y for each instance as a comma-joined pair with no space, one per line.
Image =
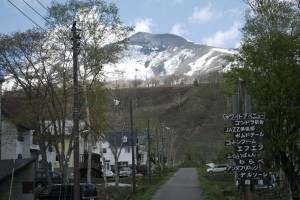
246,146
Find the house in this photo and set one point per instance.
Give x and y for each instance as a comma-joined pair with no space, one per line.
118,140
17,178
83,156
121,141
17,136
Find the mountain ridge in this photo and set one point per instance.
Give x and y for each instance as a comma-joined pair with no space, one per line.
155,55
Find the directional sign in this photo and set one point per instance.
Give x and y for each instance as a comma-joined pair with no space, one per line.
248,122
245,148
239,142
244,116
249,161
238,129
244,168
241,155
243,182
246,135
244,175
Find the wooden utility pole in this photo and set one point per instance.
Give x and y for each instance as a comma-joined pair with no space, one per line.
132,150
149,153
242,108
76,41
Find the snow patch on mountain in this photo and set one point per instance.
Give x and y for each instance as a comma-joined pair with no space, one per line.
153,55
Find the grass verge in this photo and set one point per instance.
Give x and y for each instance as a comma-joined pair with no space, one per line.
217,185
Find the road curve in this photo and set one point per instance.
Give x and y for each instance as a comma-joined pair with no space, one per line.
184,185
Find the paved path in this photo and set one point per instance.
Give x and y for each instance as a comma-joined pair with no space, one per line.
184,185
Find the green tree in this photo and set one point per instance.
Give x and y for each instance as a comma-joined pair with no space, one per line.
268,61
39,79
103,38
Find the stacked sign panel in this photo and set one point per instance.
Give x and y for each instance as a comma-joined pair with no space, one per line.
246,145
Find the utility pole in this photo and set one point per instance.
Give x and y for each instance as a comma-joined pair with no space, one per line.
132,148
242,109
149,153
2,79
76,42
163,149
157,152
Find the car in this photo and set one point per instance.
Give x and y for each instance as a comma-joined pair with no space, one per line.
41,179
220,168
125,171
88,191
109,173
269,182
139,175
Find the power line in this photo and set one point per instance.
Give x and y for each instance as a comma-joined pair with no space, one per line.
27,16
37,13
41,4
64,32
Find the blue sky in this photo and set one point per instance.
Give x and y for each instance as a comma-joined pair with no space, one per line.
212,22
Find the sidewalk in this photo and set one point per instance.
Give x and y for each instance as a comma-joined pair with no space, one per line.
184,185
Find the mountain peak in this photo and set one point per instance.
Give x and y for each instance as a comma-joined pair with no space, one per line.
153,55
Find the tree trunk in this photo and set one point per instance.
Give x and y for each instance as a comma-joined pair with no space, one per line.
116,171
43,149
294,192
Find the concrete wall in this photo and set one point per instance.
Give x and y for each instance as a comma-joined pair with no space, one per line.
8,139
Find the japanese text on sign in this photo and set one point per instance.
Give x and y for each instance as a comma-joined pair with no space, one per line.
238,129
252,174
249,148
239,142
244,116
244,135
243,168
248,122
241,155
249,161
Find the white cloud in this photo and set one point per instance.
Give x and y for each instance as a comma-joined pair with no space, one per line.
179,29
144,25
222,38
201,15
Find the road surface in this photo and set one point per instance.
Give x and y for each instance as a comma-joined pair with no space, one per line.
184,185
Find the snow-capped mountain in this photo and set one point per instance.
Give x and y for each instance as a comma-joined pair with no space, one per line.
152,55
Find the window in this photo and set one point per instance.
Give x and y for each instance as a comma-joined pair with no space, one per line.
85,144
141,157
35,137
125,139
107,165
20,136
104,150
127,149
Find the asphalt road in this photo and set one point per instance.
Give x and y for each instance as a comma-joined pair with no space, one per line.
184,185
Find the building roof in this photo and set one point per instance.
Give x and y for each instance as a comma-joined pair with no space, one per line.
13,108
119,139
8,165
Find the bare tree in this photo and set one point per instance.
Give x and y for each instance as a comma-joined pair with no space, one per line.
103,37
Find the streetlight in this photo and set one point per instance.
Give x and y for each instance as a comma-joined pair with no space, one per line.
2,79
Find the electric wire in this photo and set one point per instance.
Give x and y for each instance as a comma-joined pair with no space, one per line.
64,33
27,16
37,13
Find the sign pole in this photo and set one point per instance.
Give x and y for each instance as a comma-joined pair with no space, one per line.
242,109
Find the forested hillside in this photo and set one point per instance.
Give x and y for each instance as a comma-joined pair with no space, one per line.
187,117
